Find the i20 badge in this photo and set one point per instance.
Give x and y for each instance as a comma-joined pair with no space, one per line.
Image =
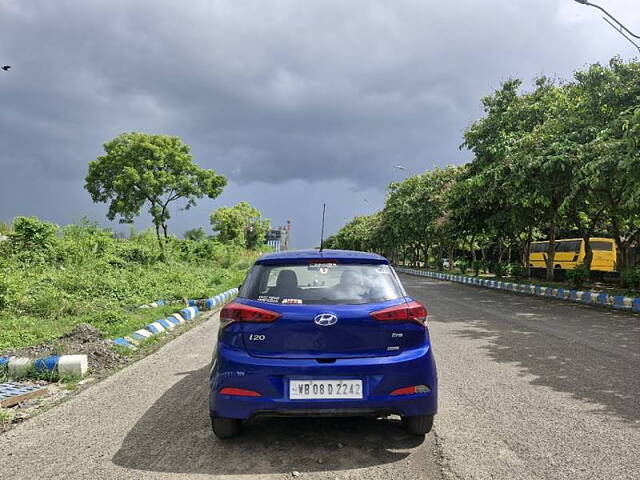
325,319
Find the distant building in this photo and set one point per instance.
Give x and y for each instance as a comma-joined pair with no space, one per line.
278,238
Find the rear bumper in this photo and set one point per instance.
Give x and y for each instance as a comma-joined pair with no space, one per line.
270,377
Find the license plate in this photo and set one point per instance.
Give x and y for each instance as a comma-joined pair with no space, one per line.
324,389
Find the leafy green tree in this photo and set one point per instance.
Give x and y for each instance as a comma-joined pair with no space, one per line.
525,160
608,109
241,224
358,234
485,205
139,169
195,234
562,159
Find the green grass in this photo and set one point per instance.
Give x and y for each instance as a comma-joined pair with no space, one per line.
6,415
85,276
46,311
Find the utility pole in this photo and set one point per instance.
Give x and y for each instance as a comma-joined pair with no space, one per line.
616,24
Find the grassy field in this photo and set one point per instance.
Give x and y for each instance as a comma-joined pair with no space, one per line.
52,279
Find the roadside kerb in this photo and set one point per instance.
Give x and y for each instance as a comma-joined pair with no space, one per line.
599,299
60,365
172,321
78,365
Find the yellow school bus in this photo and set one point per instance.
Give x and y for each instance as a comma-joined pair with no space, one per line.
570,253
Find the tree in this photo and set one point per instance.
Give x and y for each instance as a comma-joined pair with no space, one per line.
486,203
195,234
358,234
139,169
560,160
241,224
609,110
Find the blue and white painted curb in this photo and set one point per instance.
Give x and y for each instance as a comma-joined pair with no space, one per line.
601,299
156,304
172,321
60,365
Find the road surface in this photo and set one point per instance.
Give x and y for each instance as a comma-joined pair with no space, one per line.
529,389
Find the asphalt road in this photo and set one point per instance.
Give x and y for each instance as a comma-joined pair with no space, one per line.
533,388
529,388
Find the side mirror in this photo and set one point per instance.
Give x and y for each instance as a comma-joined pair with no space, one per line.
239,286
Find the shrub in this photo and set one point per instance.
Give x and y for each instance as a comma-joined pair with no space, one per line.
578,276
137,253
463,265
84,241
32,240
477,266
631,277
498,269
4,284
195,234
516,270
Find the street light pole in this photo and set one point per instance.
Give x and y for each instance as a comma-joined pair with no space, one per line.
616,24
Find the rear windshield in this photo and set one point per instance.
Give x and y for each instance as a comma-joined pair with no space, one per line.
326,284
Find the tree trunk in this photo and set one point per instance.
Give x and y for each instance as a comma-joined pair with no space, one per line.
622,257
527,252
588,251
159,237
472,249
551,253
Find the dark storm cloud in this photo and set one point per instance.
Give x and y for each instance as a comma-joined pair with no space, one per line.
285,97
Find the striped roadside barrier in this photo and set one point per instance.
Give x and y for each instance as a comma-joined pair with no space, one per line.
172,321
601,299
59,365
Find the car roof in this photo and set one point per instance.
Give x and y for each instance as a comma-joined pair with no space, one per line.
304,256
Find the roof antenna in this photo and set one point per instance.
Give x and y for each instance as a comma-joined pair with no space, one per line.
324,207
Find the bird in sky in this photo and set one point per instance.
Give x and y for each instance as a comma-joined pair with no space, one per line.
6,67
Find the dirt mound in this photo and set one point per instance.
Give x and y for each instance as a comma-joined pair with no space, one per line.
83,339
83,333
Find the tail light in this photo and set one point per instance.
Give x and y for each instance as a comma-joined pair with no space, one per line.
411,390
239,392
406,312
237,312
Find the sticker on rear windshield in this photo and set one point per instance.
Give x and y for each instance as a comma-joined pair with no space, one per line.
323,268
292,300
268,299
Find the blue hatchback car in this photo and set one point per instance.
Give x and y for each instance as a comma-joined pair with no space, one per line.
322,333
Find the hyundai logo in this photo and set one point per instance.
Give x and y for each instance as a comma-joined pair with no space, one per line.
325,319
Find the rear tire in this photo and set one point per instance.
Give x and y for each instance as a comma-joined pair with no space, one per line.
418,425
225,427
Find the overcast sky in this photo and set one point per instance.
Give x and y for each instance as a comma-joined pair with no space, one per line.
296,102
